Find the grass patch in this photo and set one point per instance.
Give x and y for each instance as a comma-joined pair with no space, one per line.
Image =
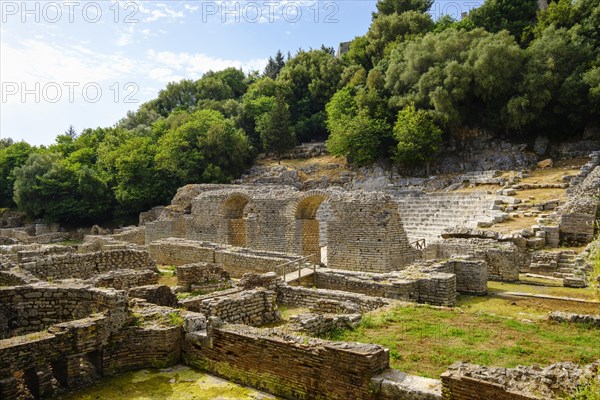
177,383
579,293
425,341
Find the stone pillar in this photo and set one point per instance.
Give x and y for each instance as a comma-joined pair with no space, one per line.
8,389
44,379
67,370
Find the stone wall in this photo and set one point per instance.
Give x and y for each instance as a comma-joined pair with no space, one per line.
304,297
251,307
137,347
287,366
576,228
426,282
161,295
35,307
316,324
124,279
361,230
175,251
234,260
559,316
84,266
465,381
132,234
203,276
503,259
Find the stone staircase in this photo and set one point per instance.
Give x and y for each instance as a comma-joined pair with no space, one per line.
567,265
425,216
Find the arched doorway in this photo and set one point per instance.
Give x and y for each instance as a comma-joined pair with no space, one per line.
235,223
312,214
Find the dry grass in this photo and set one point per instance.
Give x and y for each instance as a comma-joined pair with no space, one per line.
540,195
513,224
304,162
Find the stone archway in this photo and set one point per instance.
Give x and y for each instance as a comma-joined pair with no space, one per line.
232,212
311,215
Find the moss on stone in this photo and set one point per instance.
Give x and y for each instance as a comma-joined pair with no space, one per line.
177,383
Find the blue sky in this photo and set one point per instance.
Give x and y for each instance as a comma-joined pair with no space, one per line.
86,63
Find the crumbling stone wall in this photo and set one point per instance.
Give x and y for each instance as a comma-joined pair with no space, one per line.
234,260
161,295
465,381
136,347
251,307
287,366
124,279
317,324
304,297
35,307
363,230
428,282
84,266
502,258
204,276
577,216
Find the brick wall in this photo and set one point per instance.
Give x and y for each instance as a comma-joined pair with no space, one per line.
289,367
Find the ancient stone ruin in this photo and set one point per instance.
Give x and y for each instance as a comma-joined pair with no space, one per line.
236,254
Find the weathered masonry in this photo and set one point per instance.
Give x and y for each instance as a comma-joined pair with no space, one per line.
345,230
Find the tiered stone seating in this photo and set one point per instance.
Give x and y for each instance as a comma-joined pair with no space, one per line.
426,215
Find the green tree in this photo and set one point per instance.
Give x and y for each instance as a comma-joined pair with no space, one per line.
275,130
274,65
388,7
496,15
49,187
418,137
360,141
11,157
308,81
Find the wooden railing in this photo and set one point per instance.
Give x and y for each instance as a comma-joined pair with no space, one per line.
419,244
295,264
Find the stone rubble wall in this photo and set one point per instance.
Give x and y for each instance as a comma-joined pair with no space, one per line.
559,316
234,260
124,279
304,297
430,282
133,235
502,258
577,216
136,348
251,307
161,295
108,346
202,276
288,366
465,381
85,266
393,385
316,324
35,307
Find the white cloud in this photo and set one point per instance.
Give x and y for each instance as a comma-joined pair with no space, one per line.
191,8
162,11
194,65
163,75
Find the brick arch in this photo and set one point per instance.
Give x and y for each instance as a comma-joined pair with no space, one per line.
233,216
310,233
234,205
